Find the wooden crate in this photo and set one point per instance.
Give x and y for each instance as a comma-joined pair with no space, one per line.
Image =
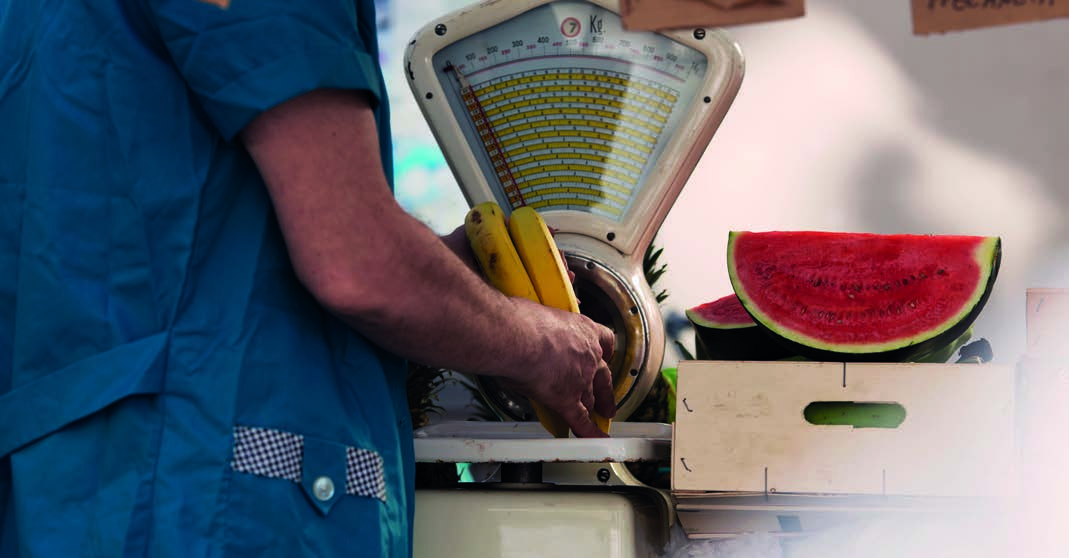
740,429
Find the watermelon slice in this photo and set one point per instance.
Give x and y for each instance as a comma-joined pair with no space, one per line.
724,331
862,296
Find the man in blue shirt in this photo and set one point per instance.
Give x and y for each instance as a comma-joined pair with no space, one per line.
207,289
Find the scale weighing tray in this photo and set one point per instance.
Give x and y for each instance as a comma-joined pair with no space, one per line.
528,442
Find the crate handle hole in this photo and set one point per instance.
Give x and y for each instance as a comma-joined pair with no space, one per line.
857,414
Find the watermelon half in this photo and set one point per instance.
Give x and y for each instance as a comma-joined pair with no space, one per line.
724,331
862,296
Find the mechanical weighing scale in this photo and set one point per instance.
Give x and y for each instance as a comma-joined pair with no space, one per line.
554,105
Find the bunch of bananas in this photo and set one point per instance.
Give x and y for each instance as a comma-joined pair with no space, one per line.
521,259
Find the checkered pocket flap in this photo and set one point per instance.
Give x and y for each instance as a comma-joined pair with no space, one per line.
284,455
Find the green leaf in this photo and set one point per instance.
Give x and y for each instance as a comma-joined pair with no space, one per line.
683,349
652,271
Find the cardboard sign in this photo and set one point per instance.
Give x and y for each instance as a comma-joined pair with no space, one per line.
938,16
728,4
1047,322
661,15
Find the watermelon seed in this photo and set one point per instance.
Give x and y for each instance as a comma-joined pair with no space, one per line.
941,272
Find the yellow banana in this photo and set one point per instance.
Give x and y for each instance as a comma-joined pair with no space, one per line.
489,238
497,257
540,257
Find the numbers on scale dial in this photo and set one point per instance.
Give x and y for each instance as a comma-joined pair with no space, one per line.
572,40
570,27
570,110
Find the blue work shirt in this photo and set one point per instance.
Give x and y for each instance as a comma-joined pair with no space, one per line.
167,386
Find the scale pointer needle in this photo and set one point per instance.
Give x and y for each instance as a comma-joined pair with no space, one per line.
485,129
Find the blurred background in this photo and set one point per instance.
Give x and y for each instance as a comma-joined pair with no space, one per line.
846,121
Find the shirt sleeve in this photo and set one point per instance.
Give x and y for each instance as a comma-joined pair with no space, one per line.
241,57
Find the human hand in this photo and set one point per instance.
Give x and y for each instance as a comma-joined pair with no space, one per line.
458,243
567,370
563,258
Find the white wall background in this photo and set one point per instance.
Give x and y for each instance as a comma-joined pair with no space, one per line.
848,122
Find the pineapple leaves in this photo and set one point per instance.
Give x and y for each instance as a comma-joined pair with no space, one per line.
652,271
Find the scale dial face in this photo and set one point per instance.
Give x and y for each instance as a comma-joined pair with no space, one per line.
569,108
555,105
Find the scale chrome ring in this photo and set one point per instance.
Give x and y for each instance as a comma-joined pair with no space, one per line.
630,323
608,298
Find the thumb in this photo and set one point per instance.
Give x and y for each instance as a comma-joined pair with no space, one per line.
607,340
604,398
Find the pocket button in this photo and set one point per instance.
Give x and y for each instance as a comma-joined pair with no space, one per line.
323,488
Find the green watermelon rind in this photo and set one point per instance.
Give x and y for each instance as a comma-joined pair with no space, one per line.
752,343
695,316
698,320
988,256
732,340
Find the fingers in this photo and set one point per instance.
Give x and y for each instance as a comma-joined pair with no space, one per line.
605,399
571,274
607,341
457,242
588,399
578,419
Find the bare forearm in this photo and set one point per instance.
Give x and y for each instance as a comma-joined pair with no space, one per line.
393,280
432,308
420,301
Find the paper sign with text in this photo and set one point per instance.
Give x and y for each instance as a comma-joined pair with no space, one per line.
728,4
661,15
938,16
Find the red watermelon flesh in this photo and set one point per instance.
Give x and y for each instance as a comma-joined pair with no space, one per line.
725,312
724,331
862,296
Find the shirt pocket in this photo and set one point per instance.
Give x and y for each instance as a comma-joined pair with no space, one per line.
291,494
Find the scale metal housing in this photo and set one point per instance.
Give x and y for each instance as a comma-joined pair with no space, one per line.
554,105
